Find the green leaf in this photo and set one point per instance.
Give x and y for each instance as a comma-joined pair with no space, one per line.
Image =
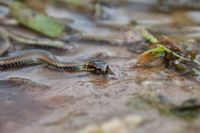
151,55
36,21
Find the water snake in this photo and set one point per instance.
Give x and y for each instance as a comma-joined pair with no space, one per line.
31,57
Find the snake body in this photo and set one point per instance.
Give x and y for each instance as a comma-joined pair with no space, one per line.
31,57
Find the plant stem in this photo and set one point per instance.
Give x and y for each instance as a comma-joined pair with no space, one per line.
148,36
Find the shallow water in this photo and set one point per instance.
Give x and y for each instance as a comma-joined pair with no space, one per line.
37,99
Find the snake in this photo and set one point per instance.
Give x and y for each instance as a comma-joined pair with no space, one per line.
32,57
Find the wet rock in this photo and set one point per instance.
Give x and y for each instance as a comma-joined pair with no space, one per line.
124,125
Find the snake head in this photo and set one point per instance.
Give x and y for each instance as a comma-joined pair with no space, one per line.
99,67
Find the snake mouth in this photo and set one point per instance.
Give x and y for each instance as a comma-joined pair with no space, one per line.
99,67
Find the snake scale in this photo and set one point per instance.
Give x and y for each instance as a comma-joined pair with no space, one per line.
32,57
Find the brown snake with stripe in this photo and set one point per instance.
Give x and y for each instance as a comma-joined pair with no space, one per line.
31,57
